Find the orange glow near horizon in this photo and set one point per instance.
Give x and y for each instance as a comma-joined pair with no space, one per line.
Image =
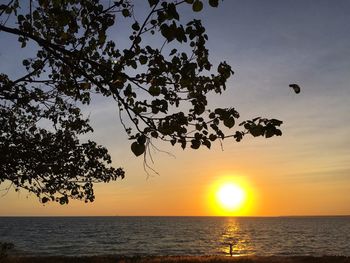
231,196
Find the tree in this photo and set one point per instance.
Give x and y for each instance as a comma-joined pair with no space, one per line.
41,120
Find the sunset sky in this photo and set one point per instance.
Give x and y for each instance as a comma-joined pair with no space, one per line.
269,45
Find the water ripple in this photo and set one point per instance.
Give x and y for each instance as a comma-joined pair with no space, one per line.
78,236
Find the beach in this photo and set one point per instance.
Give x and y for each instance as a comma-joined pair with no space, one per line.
175,259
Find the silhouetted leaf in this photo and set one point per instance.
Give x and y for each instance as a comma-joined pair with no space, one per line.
153,2
125,12
137,148
295,87
214,3
154,134
229,122
256,130
212,137
238,136
269,133
195,144
173,52
207,143
197,5
143,60
136,26
172,11
154,90
141,139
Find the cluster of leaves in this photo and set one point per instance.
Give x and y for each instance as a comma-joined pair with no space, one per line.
151,86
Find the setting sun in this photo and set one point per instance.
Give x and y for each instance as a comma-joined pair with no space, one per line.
230,196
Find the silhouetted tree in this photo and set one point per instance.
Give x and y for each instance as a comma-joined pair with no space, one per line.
161,92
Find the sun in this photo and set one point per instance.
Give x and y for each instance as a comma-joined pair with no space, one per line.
230,197
231,194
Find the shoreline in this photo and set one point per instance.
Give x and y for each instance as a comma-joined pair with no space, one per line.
174,259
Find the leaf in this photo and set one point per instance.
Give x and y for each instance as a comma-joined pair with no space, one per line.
278,132
276,122
173,12
229,122
20,18
143,60
295,87
197,6
173,52
63,200
256,130
212,137
154,91
183,144
153,2
26,62
207,143
133,64
137,148
238,136
167,32
137,40
195,144
136,26
125,12
141,139
154,134
214,3
269,133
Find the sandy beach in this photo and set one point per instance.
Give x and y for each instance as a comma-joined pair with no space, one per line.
175,259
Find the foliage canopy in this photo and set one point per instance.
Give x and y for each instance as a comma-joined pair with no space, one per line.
40,111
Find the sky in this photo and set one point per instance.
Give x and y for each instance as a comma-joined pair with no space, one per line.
306,171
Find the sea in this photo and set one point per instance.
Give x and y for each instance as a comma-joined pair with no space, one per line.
144,236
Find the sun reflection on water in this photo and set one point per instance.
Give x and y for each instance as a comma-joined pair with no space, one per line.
240,240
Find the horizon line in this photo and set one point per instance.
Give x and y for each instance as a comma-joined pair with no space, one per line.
237,216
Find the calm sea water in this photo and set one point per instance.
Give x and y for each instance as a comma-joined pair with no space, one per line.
74,236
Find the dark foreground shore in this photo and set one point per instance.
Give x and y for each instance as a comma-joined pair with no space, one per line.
175,259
